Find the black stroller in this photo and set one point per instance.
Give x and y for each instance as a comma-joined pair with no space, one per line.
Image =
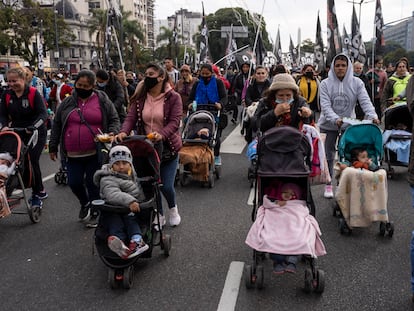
147,165
283,156
21,178
192,165
398,127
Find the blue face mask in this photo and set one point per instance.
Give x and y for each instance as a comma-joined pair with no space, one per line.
279,101
101,84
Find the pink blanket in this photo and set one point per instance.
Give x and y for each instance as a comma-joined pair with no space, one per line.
288,230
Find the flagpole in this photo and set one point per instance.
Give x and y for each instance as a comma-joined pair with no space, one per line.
230,54
257,37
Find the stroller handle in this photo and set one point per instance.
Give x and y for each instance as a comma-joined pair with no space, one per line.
103,206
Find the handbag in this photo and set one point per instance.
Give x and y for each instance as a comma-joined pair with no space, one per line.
164,151
102,151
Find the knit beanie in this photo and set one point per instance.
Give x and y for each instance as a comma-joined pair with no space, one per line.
120,153
283,81
6,156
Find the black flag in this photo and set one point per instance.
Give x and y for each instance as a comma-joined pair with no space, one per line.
204,52
346,42
357,52
318,48
260,51
379,26
278,48
293,51
231,47
333,38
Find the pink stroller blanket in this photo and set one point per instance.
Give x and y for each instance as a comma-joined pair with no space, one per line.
288,230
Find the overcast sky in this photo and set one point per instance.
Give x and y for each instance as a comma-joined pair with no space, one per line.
289,15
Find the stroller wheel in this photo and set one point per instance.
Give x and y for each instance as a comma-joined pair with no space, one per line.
343,227
112,279
57,178
184,180
218,172
336,211
248,276
128,277
166,242
389,226
382,228
308,280
211,179
259,277
320,281
390,173
34,212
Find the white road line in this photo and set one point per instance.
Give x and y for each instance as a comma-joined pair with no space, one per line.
251,197
51,176
230,292
234,143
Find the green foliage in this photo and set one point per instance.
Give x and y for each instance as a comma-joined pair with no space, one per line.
20,25
307,46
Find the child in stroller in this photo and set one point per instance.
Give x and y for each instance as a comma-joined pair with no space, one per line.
361,195
119,187
6,169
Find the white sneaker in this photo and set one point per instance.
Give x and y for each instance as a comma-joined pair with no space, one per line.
328,194
162,221
175,218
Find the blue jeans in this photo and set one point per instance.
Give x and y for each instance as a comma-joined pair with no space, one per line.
168,170
80,178
123,226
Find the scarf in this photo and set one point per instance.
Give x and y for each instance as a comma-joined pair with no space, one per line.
358,164
308,89
207,94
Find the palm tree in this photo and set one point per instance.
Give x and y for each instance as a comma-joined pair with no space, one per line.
167,34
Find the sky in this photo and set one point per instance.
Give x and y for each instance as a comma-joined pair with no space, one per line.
290,15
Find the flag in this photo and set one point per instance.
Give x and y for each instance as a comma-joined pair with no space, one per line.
277,49
175,31
334,45
357,52
204,52
260,51
231,47
346,42
379,25
318,48
293,51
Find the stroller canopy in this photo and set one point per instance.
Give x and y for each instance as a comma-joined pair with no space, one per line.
198,120
398,116
365,136
283,151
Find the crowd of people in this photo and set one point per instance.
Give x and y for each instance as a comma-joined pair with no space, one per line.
119,103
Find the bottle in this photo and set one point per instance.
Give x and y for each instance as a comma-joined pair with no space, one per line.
194,105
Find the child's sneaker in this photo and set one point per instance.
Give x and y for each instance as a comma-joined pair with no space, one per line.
291,268
278,268
328,194
84,212
137,248
116,245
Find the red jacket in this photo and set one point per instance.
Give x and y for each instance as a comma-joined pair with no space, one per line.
65,91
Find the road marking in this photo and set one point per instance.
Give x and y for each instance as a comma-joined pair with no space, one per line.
234,143
230,292
251,197
51,176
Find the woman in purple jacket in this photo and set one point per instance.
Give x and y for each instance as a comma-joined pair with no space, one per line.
156,109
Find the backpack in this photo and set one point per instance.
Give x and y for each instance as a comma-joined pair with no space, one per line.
30,96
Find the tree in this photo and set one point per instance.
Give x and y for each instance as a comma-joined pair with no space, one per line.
21,22
167,34
237,17
307,46
129,35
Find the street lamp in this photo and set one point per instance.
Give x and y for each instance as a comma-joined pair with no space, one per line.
56,53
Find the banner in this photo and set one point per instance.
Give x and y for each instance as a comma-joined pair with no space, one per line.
379,26
319,58
204,52
357,51
334,45
277,49
231,47
293,51
260,51
346,42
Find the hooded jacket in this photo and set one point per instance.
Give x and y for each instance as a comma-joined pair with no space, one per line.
118,189
338,98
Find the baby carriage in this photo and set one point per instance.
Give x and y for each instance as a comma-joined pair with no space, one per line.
61,176
147,165
196,156
283,156
21,178
361,195
397,136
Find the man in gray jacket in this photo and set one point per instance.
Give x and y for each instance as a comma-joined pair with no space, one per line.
339,94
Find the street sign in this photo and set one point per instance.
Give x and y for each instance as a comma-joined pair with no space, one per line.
238,31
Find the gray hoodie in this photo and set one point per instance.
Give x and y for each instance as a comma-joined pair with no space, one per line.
338,98
118,189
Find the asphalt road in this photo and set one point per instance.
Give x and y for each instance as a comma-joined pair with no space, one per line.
52,265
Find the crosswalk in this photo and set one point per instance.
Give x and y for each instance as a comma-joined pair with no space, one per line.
234,143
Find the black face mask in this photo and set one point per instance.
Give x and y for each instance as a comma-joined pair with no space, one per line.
82,93
206,79
150,82
309,74
130,81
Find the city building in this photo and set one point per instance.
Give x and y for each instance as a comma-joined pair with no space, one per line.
401,32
